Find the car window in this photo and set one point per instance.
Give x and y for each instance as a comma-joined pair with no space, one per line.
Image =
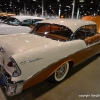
85,31
61,30
26,22
90,30
11,21
53,31
30,22
36,20
80,33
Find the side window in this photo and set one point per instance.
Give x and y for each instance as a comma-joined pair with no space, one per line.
80,33
85,32
66,32
26,22
36,21
16,22
90,30
12,21
61,30
42,28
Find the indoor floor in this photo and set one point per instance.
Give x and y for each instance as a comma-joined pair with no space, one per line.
81,83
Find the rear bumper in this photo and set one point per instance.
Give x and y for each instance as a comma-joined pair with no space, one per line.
11,87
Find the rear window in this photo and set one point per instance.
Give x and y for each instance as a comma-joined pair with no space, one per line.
53,31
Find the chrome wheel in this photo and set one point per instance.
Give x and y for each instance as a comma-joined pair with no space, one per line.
61,73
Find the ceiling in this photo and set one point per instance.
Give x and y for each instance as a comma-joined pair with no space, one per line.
88,7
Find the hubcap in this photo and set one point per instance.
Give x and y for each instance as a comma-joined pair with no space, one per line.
61,71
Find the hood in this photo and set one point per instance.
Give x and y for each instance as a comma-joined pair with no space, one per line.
19,43
8,29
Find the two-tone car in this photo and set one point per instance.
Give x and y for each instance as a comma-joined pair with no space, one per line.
51,48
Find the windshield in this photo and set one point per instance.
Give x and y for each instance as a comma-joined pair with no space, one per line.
11,21
53,31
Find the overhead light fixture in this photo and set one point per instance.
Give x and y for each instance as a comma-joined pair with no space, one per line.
10,1
81,0
68,6
92,1
60,5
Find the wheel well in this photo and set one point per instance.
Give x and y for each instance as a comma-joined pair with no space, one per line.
71,63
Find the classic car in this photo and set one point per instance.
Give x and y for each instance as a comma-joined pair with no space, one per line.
18,24
51,48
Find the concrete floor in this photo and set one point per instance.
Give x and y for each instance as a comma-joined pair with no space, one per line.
81,83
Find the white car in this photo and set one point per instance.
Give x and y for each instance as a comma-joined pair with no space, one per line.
48,52
18,24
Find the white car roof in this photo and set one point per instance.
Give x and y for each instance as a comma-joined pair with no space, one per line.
21,18
73,24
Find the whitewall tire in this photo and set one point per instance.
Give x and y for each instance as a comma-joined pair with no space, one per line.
60,73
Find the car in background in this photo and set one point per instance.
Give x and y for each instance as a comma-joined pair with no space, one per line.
18,24
94,19
4,16
48,51
22,20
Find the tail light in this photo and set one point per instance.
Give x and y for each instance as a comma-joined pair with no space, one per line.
16,71
10,64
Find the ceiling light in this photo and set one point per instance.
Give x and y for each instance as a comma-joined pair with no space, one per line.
68,6
92,1
81,0
58,0
65,10
10,5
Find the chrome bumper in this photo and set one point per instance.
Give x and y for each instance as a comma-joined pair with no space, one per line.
11,87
